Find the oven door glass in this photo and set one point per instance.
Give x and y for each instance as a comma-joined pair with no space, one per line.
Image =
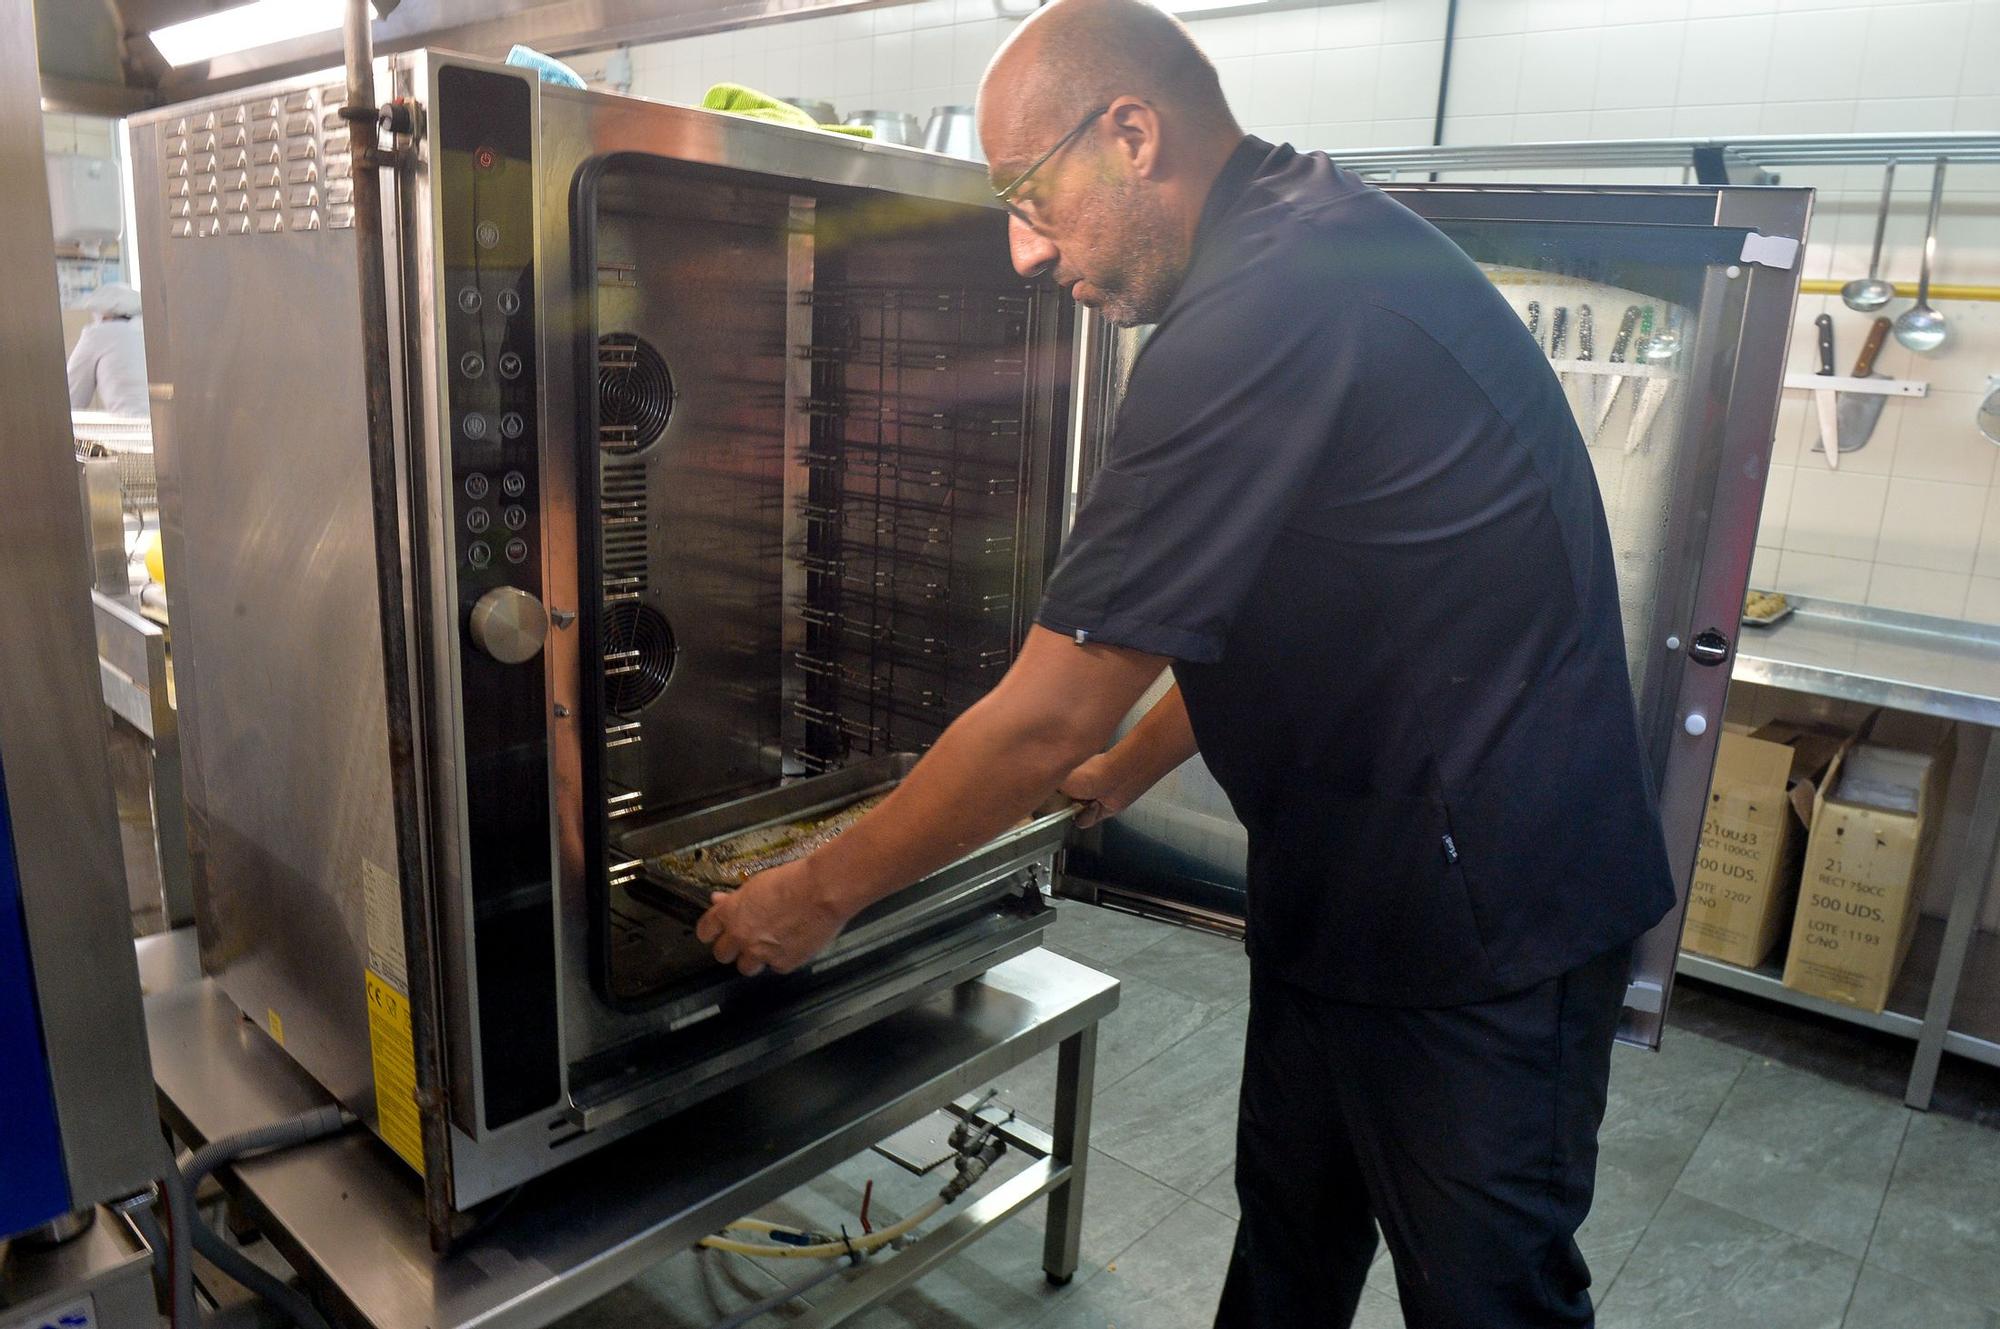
1679,428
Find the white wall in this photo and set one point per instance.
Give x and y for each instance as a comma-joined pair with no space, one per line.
1913,521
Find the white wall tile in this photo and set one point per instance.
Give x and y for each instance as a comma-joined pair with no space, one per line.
1823,577
1485,75
1724,57
1928,524
1814,117
1350,25
1918,50
931,14
1982,602
1937,440
1484,18
930,56
1988,562
972,47
1777,505
1981,77
1287,30
1564,15
1700,121
1835,512
1401,132
894,53
1730,8
1281,89
1918,591
1890,115
1559,70
1639,65
894,18
1238,85
1343,85
1406,86
1413,20
1480,129
1817,56
1764,567
1552,127
853,70
1224,37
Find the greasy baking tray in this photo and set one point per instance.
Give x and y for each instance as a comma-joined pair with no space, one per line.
1766,620
803,809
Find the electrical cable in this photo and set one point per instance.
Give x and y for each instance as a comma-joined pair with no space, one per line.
824,1250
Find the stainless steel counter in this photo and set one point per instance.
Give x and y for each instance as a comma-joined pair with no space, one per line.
1909,662
1930,666
350,1216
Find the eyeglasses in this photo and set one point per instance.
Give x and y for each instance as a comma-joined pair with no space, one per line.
1013,187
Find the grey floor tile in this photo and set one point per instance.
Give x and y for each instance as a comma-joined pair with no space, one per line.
1199,964
1377,1311
1174,1118
687,1291
1805,1155
1170,1278
1658,1107
1220,1194
1940,1222
1884,1300
1702,1265
1150,1019
1092,934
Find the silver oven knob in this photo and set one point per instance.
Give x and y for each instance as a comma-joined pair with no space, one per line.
509,624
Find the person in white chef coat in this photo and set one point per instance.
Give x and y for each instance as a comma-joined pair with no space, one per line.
109,362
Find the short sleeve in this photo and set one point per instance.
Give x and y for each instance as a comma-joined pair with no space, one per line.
1229,418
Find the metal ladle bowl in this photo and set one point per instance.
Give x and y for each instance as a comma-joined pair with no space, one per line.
1867,294
1989,416
1922,328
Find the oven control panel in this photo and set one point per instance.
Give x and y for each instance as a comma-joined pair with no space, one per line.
483,170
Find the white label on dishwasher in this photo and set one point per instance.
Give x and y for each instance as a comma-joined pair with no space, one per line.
78,1314
382,903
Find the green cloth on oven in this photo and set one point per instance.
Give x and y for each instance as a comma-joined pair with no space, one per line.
735,99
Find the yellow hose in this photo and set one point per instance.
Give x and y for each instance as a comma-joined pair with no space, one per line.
826,1250
1907,291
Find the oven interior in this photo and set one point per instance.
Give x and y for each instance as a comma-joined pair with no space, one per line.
825,459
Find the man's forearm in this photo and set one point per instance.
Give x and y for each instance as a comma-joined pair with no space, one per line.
989,770
1162,740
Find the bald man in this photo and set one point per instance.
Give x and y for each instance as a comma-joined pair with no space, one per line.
1347,503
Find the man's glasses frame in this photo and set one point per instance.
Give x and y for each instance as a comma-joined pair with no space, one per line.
1007,194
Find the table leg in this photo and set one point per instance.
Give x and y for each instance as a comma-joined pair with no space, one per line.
1982,843
1076,1087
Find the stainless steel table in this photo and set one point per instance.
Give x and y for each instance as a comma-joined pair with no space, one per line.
1929,666
349,1216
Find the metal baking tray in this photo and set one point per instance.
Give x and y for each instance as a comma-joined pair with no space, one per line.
1768,619
810,799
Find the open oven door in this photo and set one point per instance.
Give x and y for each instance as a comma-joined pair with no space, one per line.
1679,420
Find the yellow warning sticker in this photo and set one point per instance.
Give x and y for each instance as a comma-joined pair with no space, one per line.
276,1026
395,1057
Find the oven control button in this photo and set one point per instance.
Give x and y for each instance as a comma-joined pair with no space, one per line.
477,520
488,235
479,554
474,425
513,484
476,486
511,425
514,515
508,624
510,365
517,550
469,299
510,303
472,364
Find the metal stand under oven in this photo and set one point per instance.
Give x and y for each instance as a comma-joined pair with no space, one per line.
350,1217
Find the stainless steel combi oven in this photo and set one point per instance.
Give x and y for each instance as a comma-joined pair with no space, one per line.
733,458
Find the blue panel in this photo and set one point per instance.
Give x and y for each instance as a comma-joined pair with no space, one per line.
33,1186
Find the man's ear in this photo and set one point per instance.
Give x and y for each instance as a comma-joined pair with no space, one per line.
1135,128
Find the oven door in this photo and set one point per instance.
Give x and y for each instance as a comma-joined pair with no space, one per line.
1680,455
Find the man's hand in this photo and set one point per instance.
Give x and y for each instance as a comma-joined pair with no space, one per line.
775,920
1097,785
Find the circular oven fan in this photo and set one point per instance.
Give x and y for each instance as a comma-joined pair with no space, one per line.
643,677
635,392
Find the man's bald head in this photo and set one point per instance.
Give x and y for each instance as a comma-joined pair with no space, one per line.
1074,55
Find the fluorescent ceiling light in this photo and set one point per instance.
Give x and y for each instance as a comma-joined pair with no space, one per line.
247,27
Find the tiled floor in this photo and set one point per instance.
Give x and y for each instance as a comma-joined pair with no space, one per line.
1734,1189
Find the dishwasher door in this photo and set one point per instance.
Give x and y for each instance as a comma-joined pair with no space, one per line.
1679,429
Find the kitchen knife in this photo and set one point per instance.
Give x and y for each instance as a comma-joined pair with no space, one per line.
1535,322
1824,398
1619,345
1860,410
1658,353
1586,350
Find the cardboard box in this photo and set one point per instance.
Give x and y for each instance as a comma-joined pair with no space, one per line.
1760,802
1859,897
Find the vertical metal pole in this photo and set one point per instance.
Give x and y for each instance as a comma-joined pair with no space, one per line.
1076,1088
385,491
1982,845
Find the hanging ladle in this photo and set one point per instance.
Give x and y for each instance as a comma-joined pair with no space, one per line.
1868,294
1922,328
1989,416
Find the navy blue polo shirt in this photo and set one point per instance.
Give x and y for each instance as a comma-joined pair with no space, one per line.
1345,494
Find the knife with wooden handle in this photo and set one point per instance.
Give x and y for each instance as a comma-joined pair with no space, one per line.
1859,411
1825,399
